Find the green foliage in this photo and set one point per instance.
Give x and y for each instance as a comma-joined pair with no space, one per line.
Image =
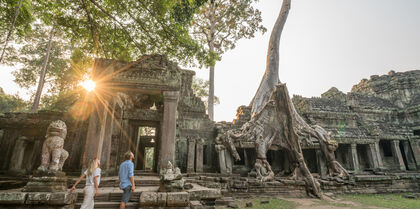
125,29
7,13
11,103
150,152
221,23
66,67
201,89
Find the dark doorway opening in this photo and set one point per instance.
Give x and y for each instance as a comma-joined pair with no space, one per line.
403,151
145,142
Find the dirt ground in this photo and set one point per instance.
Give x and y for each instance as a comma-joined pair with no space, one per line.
326,203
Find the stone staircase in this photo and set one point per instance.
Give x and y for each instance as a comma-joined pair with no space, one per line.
110,195
146,182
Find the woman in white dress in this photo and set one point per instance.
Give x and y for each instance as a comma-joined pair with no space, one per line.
93,178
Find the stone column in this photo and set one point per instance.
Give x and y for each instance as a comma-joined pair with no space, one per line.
191,155
373,157
221,155
396,153
354,157
17,156
378,155
96,132
199,156
167,148
229,161
411,164
415,146
321,163
107,137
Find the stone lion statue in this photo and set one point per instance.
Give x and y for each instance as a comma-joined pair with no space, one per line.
53,154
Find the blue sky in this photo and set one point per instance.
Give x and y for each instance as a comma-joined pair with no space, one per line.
325,43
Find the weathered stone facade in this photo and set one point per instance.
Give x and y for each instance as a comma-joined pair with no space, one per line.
377,126
150,104
151,92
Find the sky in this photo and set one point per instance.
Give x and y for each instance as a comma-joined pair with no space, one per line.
324,44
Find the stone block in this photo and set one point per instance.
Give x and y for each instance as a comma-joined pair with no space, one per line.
62,198
177,199
35,198
162,198
15,198
149,199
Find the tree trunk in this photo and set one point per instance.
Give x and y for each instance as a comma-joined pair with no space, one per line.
211,94
42,76
271,75
211,73
17,11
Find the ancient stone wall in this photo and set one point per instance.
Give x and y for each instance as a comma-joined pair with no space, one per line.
24,134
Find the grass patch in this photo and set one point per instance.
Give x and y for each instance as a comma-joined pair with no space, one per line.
383,200
324,202
274,203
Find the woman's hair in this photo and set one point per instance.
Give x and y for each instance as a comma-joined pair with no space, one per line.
93,164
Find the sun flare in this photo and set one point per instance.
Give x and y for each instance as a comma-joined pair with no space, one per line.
89,85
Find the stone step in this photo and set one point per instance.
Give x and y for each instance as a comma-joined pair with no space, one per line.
144,173
110,205
114,182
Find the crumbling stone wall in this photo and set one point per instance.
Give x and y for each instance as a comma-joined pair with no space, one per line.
24,134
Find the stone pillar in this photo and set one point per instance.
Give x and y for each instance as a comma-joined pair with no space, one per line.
107,137
378,155
221,155
373,157
396,153
411,164
354,158
191,155
199,156
229,161
321,163
415,146
17,156
96,132
167,148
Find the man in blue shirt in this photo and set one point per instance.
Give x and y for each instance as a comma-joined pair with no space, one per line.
126,174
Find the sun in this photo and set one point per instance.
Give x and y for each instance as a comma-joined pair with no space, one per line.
89,85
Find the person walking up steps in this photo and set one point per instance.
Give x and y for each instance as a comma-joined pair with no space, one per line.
126,174
93,178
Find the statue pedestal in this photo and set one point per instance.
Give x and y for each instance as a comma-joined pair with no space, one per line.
45,189
47,181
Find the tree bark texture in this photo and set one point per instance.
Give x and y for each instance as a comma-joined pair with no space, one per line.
17,11
42,76
271,75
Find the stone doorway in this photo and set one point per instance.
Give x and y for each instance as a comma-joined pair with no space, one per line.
146,142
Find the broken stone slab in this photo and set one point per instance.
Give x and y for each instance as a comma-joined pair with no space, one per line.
149,199
38,200
48,198
162,198
12,198
177,199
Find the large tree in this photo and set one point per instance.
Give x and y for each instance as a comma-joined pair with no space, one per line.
274,113
218,26
65,68
111,29
126,29
15,19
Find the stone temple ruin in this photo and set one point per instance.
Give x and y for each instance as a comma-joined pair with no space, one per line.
365,141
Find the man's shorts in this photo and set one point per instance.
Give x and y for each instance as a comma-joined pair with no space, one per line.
126,194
